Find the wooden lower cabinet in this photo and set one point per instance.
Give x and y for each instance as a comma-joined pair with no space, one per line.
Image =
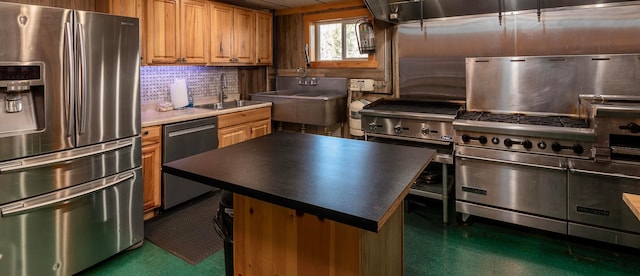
244,125
269,239
151,169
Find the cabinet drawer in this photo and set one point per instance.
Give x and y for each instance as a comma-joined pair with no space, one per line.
236,118
151,135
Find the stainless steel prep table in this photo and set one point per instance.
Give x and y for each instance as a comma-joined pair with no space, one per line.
354,184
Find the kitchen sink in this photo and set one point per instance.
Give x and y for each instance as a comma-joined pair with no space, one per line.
323,104
227,105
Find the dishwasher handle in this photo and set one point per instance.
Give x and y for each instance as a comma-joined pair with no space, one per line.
64,195
190,130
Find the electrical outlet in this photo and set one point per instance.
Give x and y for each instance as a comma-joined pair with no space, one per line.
361,85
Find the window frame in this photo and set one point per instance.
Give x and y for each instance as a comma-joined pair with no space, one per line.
310,22
344,24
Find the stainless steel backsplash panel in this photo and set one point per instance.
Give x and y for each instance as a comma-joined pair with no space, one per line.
547,84
430,60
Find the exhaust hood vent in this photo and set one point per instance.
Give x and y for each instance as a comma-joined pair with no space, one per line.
398,11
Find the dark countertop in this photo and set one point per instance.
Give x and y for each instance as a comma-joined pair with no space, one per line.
354,182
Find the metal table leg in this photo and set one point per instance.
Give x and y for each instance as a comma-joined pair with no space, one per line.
445,194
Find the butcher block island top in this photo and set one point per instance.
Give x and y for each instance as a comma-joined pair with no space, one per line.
349,181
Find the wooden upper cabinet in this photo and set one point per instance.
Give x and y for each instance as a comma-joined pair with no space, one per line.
175,32
221,34
232,36
264,38
244,35
162,31
193,27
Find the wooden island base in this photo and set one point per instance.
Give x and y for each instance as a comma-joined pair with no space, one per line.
274,240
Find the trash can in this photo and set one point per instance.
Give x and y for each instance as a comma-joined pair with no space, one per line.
223,223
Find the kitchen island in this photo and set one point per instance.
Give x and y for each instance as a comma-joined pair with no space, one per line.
312,205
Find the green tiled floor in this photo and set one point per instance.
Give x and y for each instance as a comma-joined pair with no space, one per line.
484,248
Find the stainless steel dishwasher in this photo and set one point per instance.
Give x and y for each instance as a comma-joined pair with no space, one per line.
182,140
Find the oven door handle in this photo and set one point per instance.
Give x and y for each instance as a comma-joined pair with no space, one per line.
559,167
574,170
64,195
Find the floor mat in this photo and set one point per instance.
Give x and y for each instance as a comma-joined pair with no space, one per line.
187,230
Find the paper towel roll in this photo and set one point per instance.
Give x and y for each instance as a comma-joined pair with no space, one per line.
179,95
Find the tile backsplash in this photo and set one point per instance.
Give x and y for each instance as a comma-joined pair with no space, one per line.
202,82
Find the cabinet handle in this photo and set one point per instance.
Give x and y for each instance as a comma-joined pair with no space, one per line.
220,47
145,133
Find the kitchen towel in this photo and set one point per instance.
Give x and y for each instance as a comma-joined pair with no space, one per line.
179,95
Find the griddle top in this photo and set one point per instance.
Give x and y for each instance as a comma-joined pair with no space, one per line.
413,106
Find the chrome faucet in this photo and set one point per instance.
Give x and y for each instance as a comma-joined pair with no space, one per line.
223,86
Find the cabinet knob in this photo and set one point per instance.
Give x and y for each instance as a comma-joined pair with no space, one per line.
145,133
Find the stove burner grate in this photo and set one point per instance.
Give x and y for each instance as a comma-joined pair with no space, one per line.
554,121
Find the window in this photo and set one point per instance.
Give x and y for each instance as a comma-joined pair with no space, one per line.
336,40
332,40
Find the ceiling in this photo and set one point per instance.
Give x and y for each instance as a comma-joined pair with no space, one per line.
278,4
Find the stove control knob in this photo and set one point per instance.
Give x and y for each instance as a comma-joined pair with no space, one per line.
508,142
373,126
482,140
577,149
527,144
397,128
633,127
556,147
542,145
466,138
495,140
425,131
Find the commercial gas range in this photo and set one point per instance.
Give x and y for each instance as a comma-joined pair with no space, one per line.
419,123
531,151
513,167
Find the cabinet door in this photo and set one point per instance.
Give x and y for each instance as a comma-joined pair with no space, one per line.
232,135
221,35
259,128
151,176
244,28
162,36
193,25
264,38
151,171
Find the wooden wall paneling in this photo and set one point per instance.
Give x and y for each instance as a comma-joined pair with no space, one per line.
251,80
289,42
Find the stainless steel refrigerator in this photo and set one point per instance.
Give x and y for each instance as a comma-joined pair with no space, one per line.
70,177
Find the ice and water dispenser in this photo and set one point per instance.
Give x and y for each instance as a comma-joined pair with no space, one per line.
21,97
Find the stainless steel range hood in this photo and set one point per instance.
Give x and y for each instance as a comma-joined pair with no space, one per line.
398,11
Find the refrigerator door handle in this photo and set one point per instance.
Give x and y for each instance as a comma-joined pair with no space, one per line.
63,195
82,89
54,158
68,73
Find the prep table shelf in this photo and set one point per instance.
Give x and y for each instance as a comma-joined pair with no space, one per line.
444,156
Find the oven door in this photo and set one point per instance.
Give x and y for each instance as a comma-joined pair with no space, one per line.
596,209
520,188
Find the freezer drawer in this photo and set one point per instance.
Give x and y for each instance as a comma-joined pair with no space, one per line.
45,235
32,176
